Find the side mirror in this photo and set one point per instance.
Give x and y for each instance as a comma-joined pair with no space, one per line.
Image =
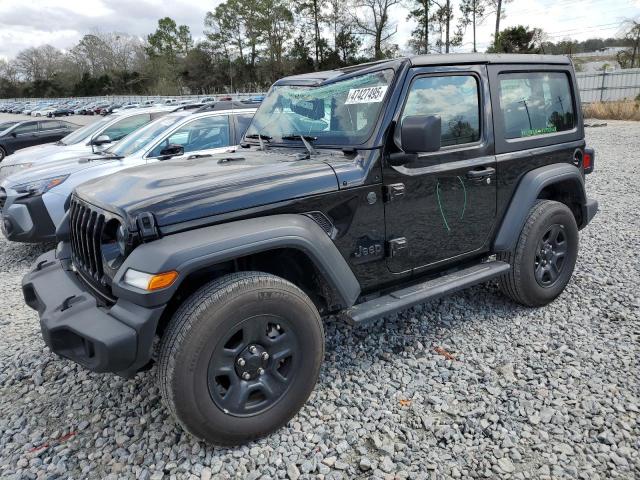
420,133
14,134
101,140
417,134
172,150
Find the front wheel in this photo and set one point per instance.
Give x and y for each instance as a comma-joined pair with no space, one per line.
240,357
545,255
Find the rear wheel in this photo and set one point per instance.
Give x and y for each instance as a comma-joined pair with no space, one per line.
240,357
544,257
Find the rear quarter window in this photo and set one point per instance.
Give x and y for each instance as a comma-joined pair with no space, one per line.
536,103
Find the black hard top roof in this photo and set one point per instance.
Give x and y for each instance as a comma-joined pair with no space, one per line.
316,78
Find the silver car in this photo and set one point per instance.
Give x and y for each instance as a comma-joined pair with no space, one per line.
34,201
95,136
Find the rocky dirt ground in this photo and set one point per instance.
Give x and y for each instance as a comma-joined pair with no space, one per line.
471,386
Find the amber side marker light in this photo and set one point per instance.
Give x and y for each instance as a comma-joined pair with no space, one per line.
150,281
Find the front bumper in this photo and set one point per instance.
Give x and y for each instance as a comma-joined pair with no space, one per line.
26,219
116,338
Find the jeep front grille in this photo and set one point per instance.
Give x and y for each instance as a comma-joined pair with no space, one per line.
86,225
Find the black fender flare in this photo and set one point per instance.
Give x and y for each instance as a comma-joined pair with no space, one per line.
526,193
193,250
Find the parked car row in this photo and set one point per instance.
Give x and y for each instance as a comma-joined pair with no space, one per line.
20,134
36,184
104,107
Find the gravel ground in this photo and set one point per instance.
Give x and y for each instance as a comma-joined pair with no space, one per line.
470,386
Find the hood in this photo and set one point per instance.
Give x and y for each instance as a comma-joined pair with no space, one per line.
49,152
177,191
55,169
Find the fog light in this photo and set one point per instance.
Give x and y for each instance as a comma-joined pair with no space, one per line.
149,281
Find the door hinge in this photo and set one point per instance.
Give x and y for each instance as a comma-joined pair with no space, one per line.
397,245
393,191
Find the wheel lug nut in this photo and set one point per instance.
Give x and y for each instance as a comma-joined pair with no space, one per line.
265,356
246,376
252,349
241,362
261,371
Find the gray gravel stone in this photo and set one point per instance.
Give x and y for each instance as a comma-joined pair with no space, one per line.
532,393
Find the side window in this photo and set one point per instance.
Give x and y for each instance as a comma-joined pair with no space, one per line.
124,127
242,123
29,127
454,99
52,125
535,103
200,134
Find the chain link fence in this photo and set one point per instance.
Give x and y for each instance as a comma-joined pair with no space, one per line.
605,86
609,86
135,98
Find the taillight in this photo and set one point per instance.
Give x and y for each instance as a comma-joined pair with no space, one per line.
588,159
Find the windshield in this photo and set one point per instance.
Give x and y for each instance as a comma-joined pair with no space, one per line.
141,138
85,132
341,113
6,126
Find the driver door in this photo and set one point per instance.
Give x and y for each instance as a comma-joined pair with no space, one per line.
441,206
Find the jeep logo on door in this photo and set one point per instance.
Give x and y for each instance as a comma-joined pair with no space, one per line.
367,250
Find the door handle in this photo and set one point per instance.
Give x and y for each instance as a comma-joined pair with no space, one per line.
480,173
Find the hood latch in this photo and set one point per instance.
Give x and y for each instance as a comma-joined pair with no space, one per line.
147,227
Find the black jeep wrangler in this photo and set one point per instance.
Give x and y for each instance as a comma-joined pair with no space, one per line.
357,192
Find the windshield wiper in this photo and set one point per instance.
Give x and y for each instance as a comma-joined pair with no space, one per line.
304,139
110,155
259,136
299,136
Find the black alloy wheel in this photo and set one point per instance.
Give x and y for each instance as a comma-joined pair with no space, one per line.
240,357
544,257
252,367
550,256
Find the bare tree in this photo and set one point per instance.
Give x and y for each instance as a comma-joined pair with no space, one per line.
631,33
473,12
498,8
372,20
39,63
311,12
441,22
419,10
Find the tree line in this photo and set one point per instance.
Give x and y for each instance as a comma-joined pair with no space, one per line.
248,44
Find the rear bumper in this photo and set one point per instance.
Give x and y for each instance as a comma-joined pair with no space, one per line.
114,339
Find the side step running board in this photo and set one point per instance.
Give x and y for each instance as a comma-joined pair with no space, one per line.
410,296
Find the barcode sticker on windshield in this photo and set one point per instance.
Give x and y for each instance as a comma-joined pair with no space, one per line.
366,95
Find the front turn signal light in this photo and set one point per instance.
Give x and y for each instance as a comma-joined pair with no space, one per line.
150,281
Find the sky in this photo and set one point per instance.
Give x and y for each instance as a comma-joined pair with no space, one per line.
61,23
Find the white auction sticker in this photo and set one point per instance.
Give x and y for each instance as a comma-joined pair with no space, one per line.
366,95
